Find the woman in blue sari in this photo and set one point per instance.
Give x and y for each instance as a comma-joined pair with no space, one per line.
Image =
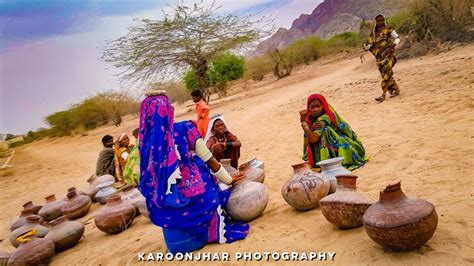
178,180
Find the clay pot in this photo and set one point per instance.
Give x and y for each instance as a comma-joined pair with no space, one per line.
96,180
4,256
116,216
78,192
346,206
52,209
105,190
253,174
38,251
330,168
400,223
32,221
65,234
133,196
247,200
305,188
256,163
30,205
22,219
229,168
76,206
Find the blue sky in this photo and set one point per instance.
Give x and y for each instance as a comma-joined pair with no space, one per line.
50,49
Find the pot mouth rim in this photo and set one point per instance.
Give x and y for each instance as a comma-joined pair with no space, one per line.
105,184
329,161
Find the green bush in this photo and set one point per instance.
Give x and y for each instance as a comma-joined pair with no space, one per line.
257,67
176,91
224,68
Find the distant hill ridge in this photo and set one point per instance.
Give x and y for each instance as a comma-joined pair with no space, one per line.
329,18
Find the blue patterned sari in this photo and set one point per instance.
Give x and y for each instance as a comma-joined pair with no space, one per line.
180,191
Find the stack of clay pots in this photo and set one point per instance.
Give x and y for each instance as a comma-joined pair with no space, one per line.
94,181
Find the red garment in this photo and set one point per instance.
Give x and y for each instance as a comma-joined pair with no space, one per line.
202,117
327,111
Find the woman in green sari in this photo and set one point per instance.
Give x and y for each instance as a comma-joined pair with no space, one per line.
131,172
327,135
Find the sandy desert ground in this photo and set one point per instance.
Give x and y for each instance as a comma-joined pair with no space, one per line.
423,138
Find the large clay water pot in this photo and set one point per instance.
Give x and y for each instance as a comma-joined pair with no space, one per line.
96,180
400,223
52,209
346,206
252,174
305,188
330,168
105,190
78,192
133,196
22,219
256,163
4,256
247,200
65,234
38,251
32,221
76,206
116,216
30,205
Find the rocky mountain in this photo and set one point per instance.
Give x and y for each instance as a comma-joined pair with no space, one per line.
330,18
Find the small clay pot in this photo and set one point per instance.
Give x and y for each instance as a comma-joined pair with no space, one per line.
105,190
116,216
4,256
247,200
252,173
32,221
96,180
400,223
52,209
305,188
22,219
330,168
30,205
38,251
64,233
229,168
76,206
346,206
256,163
132,196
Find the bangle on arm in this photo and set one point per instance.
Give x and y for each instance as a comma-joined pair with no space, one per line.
222,175
202,151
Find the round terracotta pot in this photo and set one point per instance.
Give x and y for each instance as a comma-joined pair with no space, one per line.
247,200
116,216
252,173
30,205
22,219
105,190
346,206
133,196
32,221
64,233
305,188
400,223
52,209
96,180
4,256
78,192
229,168
330,168
38,251
76,206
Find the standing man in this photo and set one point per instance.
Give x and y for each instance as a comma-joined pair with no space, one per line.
105,162
381,43
202,110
